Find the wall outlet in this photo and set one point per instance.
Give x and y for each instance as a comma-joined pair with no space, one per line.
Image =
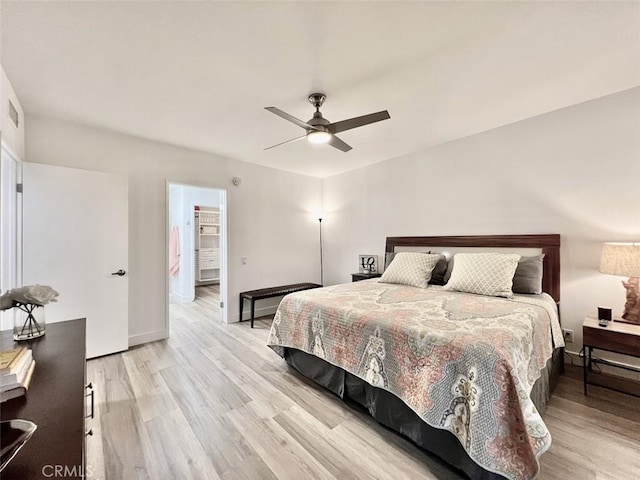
568,335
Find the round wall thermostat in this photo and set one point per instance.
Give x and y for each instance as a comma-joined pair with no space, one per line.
236,181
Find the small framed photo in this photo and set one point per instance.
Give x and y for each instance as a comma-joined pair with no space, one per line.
368,263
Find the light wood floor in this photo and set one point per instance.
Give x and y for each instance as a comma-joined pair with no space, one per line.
214,402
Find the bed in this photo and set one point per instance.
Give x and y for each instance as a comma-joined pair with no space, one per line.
466,376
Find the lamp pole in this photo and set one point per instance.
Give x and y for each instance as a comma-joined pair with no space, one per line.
321,264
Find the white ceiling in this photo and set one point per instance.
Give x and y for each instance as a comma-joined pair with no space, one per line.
199,74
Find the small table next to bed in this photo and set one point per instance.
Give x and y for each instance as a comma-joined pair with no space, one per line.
356,277
617,337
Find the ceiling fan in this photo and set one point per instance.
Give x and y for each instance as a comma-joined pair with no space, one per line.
320,130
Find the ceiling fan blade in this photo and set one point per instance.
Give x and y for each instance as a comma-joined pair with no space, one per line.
288,141
290,118
355,122
339,144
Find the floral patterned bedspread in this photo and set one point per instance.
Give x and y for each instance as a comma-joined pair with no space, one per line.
465,363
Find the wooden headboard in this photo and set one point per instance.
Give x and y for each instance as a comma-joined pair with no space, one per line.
548,244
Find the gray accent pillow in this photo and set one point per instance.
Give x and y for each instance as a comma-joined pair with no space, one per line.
447,273
437,275
528,276
388,257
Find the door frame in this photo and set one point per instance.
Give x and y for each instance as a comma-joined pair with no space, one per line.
14,235
224,282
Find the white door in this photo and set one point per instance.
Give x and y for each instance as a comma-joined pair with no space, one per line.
75,236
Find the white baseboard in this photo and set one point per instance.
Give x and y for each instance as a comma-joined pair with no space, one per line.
612,370
147,337
259,312
176,298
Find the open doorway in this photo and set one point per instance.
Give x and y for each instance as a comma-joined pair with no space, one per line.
196,249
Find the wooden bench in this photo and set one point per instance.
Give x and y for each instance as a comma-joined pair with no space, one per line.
263,293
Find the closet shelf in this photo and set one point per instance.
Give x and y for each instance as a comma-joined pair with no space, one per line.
207,244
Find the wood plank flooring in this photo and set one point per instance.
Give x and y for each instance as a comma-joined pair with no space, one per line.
213,402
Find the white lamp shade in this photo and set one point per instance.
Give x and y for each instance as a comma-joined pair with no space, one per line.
621,259
318,136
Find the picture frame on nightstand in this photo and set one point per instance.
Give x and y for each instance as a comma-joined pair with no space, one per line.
604,316
368,263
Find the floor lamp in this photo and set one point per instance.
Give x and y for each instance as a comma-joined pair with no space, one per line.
321,264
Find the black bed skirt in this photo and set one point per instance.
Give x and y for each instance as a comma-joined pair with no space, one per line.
393,413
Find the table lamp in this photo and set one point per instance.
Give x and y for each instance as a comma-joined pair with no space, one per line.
623,259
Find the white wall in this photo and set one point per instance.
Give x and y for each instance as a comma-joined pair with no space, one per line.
269,215
575,172
11,136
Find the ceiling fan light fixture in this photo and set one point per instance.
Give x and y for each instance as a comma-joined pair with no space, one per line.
319,130
318,137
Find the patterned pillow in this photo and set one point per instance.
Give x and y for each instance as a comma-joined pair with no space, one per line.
437,275
484,273
410,268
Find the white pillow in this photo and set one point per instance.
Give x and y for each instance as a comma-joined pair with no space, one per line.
484,273
410,268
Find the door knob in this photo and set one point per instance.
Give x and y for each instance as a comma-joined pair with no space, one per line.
120,273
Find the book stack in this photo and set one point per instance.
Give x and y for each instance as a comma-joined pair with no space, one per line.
16,370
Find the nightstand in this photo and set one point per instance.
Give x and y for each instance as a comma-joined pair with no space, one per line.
356,277
617,337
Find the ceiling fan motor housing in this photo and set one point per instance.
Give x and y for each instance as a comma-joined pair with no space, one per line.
319,122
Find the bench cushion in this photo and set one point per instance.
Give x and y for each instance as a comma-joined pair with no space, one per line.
276,291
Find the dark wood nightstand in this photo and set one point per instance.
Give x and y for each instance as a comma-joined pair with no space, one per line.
616,337
356,277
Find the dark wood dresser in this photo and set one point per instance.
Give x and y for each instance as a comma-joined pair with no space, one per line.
55,402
